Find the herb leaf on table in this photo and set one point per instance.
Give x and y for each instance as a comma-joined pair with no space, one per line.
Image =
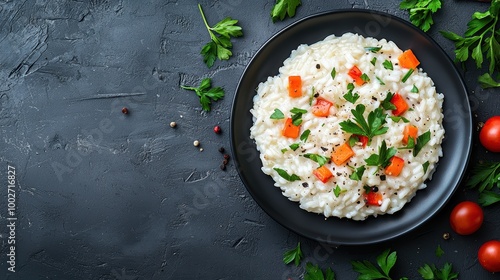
484,177
206,93
294,255
220,45
431,272
367,270
282,8
313,272
421,12
481,39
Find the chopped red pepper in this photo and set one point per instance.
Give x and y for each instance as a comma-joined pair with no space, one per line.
373,198
322,107
363,139
290,130
400,103
356,74
294,86
410,131
395,166
323,174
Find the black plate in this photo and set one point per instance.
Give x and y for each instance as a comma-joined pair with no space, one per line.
457,123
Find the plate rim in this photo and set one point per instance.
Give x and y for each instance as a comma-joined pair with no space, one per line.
462,85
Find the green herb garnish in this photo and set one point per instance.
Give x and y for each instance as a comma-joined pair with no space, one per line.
388,65
380,81
425,166
286,176
414,89
407,75
337,191
422,140
333,73
386,103
294,146
297,115
365,78
371,127
220,45
206,93
321,160
304,135
358,173
398,118
373,61
313,272
277,115
373,49
382,159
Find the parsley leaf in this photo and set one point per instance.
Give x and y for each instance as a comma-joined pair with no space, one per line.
351,97
425,166
297,115
371,127
422,140
337,191
414,89
321,160
387,104
333,73
206,93
283,8
305,135
383,157
373,49
294,146
286,176
365,78
358,173
439,251
484,177
398,118
430,272
481,38
294,255
277,115
367,270
421,12
373,61
313,272
387,65
220,45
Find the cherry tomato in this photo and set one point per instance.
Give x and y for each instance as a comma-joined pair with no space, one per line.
490,134
466,218
489,256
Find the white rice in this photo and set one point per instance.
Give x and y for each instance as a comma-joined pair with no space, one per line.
314,64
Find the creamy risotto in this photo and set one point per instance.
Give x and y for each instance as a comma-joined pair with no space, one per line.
351,127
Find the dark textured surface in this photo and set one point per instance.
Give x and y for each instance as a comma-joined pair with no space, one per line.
103,195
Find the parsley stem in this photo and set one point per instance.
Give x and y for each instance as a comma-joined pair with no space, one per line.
204,20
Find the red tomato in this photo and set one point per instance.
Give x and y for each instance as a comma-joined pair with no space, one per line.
466,218
489,256
490,134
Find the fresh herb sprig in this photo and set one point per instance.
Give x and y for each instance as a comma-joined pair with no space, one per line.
421,12
293,255
371,127
282,8
481,38
321,160
286,176
367,270
313,272
349,96
431,272
220,45
206,93
484,177
382,159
